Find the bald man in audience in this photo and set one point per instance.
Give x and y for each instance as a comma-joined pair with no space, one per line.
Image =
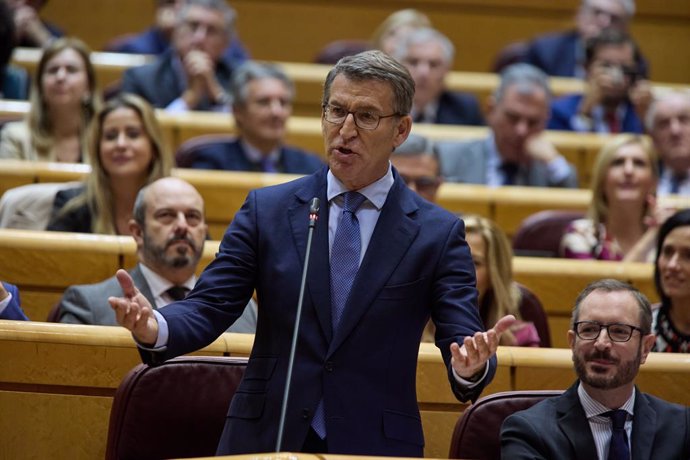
192,74
516,151
169,229
428,56
668,122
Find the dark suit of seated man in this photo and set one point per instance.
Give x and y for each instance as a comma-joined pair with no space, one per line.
383,262
169,229
262,103
603,415
428,55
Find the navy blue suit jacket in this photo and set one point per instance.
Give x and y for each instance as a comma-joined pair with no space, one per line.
564,108
152,41
558,428
417,264
13,310
456,108
160,84
230,156
554,53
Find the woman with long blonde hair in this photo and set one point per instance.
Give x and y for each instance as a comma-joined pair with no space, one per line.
126,152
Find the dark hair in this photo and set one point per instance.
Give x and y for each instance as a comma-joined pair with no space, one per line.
612,37
679,219
7,42
611,285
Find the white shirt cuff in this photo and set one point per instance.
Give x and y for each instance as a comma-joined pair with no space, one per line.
466,383
162,340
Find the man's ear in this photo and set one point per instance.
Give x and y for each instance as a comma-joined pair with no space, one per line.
647,344
137,232
403,129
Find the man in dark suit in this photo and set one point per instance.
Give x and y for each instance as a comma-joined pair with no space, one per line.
10,306
192,74
603,415
261,103
170,229
562,54
428,55
615,99
516,151
379,268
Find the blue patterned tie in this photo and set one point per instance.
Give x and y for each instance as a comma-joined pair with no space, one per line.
345,254
618,449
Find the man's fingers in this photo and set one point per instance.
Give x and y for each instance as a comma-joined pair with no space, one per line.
126,283
504,324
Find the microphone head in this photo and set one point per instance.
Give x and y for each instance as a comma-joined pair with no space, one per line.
314,205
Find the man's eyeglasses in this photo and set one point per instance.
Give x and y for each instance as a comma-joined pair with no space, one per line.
617,332
363,120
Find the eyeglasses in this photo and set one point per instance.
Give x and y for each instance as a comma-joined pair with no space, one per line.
363,120
617,332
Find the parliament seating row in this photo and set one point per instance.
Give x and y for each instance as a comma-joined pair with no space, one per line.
295,30
309,78
580,149
44,264
58,381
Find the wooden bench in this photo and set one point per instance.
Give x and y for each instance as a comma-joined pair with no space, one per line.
59,379
44,264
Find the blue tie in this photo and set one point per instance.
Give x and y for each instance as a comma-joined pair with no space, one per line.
345,254
268,165
618,449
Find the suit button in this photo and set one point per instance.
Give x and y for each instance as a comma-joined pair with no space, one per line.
306,413
329,366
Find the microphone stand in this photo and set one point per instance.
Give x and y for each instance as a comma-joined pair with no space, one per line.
313,217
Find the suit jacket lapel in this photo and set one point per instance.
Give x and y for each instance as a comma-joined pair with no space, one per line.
394,232
574,425
644,427
318,285
143,286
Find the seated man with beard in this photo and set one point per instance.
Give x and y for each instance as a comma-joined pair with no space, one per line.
170,229
603,415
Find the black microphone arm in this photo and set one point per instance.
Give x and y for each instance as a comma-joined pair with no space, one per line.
313,217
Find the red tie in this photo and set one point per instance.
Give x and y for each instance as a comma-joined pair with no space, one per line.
611,119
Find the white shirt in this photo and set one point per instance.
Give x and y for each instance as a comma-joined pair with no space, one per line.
601,426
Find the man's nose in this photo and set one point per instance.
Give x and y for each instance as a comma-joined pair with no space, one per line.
349,127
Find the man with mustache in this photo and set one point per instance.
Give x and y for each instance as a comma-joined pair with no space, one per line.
603,415
169,229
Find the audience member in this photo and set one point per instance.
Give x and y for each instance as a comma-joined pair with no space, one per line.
10,305
169,227
516,151
387,35
64,98
668,122
192,74
562,54
603,415
428,55
156,39
30,30
623,218
671,322
14,81
417,164
361,324
615,98
262,98
499,294
126,153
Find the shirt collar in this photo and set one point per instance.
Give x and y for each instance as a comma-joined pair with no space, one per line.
594,408
158,284
376,192
255,156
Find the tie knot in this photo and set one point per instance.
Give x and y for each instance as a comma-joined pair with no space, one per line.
177,292
617,417
353,200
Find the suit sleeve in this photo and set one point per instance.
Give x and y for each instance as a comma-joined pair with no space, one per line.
520,439
13,310
74,308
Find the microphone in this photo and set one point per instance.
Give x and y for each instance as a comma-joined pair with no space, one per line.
313,217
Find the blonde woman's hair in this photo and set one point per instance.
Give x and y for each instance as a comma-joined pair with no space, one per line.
505,298
40,124
98,194
599,207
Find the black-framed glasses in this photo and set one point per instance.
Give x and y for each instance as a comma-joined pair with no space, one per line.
363,119
617,332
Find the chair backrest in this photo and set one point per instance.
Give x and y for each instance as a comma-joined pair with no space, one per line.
187,152
335,50
174,410
510,54
539,235
477,433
